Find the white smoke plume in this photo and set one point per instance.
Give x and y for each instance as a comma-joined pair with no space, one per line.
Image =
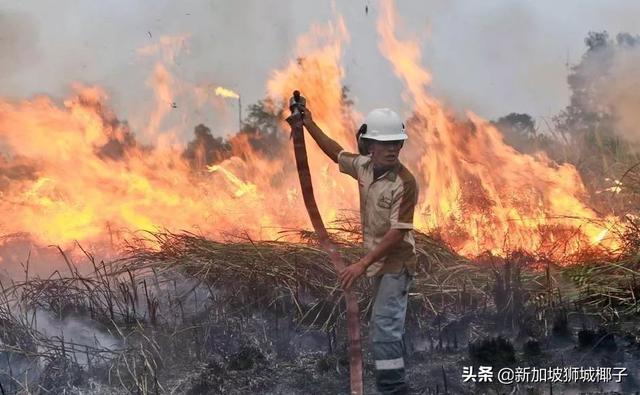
621,92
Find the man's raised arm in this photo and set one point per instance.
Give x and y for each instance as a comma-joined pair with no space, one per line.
329,146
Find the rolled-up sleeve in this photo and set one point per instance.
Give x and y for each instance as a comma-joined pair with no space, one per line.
403,205
348,163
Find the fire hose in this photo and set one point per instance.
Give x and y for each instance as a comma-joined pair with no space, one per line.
295,120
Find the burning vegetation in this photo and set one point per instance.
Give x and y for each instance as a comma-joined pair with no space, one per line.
532,203
208,282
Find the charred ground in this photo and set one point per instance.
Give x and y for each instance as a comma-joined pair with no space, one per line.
198,316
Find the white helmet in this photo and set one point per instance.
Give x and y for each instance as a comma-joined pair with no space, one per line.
384,125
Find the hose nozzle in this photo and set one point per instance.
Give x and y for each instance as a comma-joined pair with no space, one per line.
296,102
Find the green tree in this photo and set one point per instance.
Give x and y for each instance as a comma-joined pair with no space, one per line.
205,149
520,132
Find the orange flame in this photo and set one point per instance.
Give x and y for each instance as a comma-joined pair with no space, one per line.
482,193
81,175
224,92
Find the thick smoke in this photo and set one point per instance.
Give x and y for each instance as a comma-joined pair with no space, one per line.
492,59
47,47
620,86
18,42
605,88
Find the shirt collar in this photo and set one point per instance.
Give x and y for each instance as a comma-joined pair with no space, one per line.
390,174
393,172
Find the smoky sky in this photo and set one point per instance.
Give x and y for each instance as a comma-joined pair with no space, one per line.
491,57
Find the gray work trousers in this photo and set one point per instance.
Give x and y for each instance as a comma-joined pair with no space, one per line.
387,329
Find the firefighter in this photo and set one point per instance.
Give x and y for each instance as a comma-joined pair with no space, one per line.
388,196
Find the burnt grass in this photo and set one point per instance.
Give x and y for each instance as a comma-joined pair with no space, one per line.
196,316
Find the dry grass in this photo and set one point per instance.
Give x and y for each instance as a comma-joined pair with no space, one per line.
159,323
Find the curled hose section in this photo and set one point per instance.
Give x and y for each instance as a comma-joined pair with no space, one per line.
353,320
